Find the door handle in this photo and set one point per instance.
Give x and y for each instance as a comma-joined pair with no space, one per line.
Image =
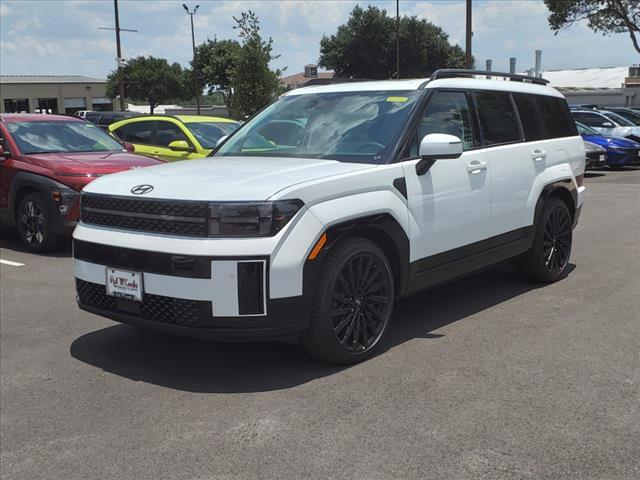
538,155
476,166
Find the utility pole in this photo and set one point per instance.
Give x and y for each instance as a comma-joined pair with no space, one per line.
119,58
468,61
119,54
195,68
398,39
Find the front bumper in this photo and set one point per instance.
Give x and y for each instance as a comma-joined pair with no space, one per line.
209,297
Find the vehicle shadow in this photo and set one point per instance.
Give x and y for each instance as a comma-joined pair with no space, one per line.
212,367
10,240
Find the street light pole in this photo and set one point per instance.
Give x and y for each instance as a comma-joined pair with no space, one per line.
195,68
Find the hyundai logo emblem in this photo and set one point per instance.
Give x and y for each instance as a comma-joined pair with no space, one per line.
141,189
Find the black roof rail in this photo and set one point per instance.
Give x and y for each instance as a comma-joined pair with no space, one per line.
514,77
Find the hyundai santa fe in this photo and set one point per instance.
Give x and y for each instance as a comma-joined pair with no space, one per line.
313,217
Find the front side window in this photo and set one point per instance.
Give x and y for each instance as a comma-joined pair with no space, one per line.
169,132
448,112
60,136
360,127
137,132
208,133
591,119
620,120
497,118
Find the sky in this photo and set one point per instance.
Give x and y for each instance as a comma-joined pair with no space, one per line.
63,37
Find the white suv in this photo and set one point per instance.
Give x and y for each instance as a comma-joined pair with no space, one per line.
316,214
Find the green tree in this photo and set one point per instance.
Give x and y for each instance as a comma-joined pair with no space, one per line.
151,80
606,16
365,47
214,62
254,84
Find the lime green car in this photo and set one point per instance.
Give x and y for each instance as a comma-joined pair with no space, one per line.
173,137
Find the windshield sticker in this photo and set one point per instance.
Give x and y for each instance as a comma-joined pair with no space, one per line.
397,99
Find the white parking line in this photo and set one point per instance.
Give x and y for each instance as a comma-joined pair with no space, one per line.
9,262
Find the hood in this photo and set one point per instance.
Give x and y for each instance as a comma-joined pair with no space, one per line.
97,163
611,142
223,178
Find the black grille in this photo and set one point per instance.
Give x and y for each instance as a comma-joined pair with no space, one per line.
161,309
185,218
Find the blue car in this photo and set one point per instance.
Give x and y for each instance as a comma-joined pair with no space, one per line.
621,152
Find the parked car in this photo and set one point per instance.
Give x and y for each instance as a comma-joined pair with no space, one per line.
390,187
621,152
45,161
104,119
174,137
631,115
596,156
83,113
607,123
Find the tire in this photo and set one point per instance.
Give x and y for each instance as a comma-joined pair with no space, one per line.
547,259
353,303
34,224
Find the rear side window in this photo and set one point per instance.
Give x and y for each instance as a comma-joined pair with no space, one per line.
528,116
138,132
498,120
556,117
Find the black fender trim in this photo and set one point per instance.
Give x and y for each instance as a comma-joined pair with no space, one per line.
564,187
382,229
32,180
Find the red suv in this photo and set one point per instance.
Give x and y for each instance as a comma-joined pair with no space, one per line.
45,161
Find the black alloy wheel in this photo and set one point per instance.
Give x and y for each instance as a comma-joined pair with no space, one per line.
353,303
361,302
547,259
556,244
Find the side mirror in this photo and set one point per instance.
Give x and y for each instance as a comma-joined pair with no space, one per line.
221,140
180,146
607,125
129,147
437,146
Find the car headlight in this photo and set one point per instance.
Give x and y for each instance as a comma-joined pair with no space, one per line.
250,219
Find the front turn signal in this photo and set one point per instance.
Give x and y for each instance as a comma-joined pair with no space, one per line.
318,246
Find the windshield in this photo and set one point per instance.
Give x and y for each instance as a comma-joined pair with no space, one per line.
60,136
346,126
208,133
584,130
618,119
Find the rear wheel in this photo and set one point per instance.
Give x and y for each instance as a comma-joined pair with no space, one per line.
353,303
547,260
34,224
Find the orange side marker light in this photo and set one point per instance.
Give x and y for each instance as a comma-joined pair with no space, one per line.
319,244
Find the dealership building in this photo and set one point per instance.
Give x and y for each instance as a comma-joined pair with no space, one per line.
52,94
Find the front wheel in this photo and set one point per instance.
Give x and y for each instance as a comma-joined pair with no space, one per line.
34,224
547,260
353,303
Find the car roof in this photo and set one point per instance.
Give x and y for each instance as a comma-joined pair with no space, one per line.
425,83
38,117
203,118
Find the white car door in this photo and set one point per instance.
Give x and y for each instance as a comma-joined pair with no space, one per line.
451,203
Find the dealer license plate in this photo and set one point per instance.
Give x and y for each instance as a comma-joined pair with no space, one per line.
602,158
124,284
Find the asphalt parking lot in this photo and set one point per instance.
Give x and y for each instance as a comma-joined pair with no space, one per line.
486,378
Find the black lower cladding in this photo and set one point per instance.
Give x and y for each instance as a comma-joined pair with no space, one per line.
286,317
